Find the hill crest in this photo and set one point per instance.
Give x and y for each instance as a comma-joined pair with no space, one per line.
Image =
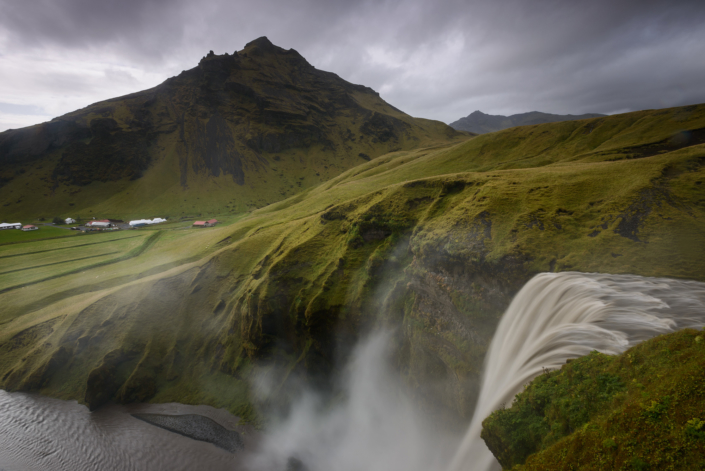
481,123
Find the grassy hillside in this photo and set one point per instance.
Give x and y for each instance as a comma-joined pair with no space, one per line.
641,410
237,132
436,239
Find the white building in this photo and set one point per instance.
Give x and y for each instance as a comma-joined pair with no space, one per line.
145,222
13,225
69,221
98,224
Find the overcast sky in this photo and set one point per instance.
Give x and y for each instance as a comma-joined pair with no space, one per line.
439,59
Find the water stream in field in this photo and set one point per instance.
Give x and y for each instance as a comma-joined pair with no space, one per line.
374,425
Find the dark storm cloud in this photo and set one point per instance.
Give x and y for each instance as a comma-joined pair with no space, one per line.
83,24
437,59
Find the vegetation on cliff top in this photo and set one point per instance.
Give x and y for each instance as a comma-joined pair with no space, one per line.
435,239
644,409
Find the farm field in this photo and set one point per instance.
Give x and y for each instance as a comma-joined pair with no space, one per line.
42,262
13,236
35,274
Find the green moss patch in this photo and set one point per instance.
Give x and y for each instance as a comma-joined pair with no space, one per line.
643,409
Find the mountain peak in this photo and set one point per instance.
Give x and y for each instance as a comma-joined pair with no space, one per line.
262,42
246,120
261,45
480,123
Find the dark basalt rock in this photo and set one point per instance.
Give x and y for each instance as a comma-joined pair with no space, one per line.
383,128
197,427
105,380
112,154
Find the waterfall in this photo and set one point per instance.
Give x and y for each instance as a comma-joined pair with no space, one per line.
373,424
558,316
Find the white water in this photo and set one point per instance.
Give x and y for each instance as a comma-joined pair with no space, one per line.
374,426
554,317
557,316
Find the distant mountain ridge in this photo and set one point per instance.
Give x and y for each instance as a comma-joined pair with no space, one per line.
237,132
481,123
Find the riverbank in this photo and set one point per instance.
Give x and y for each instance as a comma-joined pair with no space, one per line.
42,433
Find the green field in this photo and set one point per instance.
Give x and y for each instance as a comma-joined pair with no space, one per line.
64,266
435,240
12,236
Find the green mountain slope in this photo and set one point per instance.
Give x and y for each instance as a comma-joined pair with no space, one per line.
480,123
639,410
235,133
436,239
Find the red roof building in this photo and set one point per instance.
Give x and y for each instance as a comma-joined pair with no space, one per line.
200,224
211,222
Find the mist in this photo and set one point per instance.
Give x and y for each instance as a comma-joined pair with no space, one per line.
369,420
373,425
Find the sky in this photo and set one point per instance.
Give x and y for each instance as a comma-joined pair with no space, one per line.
436,59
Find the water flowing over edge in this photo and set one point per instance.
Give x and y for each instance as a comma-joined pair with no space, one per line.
558,316
374,425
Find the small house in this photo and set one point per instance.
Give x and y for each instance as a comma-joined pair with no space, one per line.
29,227
211,222
12,225
69,221
200,224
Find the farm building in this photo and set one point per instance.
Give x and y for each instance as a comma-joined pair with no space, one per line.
102,223
13,225
69,221
29,227
209,223
145,222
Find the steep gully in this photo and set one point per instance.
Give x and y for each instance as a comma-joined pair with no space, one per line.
554,317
